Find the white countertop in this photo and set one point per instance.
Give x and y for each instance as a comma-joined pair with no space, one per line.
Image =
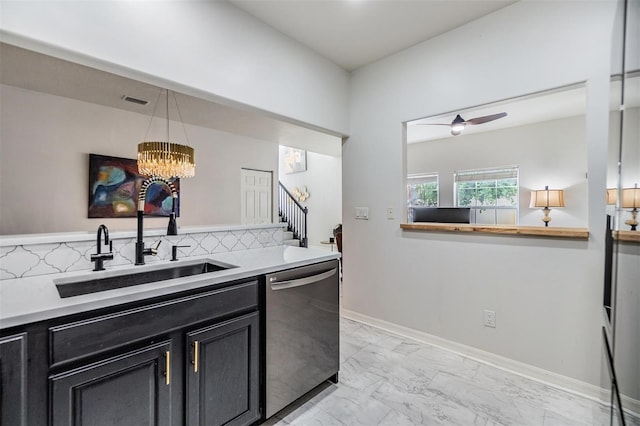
27,300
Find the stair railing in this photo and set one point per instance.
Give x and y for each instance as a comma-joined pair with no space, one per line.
292,212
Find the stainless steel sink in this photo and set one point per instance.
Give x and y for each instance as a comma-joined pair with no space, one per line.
87,284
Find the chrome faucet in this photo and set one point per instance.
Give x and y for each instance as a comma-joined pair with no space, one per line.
100,257
172,229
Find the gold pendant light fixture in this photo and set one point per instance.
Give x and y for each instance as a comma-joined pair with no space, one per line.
166,159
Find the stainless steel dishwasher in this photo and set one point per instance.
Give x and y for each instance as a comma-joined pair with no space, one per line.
302,332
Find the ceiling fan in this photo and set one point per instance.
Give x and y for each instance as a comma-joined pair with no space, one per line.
458,124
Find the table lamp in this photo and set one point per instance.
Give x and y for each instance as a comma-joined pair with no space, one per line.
631,200
547,198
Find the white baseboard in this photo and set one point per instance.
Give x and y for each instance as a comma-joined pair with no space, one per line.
550,378
631,405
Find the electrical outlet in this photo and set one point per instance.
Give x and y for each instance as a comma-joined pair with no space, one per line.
390,214
489,318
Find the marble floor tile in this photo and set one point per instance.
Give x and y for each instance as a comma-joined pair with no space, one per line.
355,405
314,416
633,421
386,379
395,418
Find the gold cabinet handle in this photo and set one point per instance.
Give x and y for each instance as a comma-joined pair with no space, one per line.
167,373
196,349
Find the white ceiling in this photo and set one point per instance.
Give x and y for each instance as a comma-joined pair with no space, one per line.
353,33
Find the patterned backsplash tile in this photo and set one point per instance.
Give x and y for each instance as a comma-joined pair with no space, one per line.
26,260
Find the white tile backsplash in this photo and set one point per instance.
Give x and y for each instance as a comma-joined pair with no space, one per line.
33,258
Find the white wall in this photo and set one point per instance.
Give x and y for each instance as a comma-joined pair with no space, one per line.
546,292
44,166
323,180
194,47
630,170
550,153
627,333
631,148
627,308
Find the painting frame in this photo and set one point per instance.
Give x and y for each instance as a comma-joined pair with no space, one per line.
295,160
114,185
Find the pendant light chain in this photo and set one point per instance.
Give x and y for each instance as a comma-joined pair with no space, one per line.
184,129
167,143
155,108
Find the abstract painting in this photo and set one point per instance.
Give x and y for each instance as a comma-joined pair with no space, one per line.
295,160
114,183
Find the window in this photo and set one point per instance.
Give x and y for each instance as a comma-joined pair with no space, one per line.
492,194
422,190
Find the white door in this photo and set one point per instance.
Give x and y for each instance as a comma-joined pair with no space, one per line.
257,195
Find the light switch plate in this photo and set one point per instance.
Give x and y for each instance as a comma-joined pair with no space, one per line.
362,213
390,213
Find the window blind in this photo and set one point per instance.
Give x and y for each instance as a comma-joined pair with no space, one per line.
422,178
510,172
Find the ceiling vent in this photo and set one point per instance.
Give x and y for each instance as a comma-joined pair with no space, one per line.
134,100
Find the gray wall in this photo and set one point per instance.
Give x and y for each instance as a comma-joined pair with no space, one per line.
546,292
44,167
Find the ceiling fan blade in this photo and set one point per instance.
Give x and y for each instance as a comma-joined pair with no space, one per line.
486,118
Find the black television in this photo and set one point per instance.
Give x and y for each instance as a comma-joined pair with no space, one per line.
442,214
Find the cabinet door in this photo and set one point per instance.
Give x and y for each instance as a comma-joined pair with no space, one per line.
222,378
13,380
129,389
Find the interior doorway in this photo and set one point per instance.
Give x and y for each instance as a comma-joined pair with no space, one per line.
256,196
318,186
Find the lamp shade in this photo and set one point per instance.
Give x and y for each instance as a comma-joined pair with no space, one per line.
612,195
547,198
630,198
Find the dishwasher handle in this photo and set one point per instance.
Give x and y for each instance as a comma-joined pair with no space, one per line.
300,281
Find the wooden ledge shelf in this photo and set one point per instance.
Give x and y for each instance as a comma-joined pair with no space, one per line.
633,236
537,231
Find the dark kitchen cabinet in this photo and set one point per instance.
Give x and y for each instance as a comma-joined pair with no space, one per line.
132,364
222,376
13,380
131,389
